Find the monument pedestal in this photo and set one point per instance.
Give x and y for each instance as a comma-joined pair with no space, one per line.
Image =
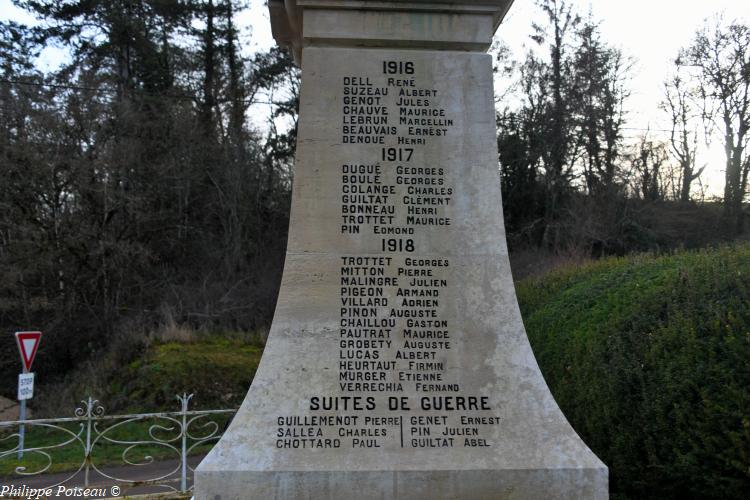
397,366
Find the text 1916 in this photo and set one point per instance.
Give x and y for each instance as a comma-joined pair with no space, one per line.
398,67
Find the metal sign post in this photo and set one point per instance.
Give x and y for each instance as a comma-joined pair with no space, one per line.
28,343
21,428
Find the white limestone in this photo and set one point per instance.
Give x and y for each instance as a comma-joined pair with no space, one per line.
506,437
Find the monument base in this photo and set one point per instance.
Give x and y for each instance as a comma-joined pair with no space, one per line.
397,365
527,484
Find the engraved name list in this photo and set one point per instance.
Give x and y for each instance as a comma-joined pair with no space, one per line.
396,375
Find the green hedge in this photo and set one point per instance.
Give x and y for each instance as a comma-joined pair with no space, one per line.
649,358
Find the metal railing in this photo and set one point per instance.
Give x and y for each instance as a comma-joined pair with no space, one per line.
138,438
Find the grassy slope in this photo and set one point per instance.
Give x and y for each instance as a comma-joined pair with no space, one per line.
217,370
649,358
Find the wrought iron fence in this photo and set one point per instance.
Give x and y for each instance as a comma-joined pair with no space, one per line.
141,440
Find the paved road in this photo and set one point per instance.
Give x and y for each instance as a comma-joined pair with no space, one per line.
169,468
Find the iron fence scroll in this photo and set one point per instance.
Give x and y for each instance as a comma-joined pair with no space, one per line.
139,439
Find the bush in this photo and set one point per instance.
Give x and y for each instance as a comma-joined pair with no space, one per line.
649,359
217,370
144,373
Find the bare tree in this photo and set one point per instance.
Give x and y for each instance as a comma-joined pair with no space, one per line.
683,138
648,161
721,55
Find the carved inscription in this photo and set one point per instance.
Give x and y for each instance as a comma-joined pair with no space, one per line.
395,343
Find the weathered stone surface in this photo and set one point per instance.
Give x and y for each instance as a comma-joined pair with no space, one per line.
397,295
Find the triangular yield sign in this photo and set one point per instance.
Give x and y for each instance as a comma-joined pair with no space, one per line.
28,343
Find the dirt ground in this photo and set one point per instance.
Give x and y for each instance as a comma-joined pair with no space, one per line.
9,409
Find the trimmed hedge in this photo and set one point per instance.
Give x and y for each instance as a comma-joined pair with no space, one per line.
649,359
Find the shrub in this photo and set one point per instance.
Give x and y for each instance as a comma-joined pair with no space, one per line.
649,359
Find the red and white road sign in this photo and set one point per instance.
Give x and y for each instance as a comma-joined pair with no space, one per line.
28,343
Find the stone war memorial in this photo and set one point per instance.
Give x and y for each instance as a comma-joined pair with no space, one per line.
397,366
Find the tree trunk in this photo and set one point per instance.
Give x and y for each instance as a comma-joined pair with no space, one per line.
209,71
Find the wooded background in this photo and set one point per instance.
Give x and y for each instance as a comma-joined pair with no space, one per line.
133,190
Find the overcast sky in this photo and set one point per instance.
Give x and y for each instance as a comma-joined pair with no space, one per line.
650,31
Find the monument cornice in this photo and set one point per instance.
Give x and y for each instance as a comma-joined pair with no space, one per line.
469,24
